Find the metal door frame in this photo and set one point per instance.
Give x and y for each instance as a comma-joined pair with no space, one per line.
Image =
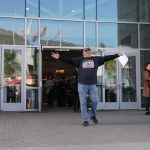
12,106
119,104
39,87
137,104
111,105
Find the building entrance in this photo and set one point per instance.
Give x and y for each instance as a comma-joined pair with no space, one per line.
118,86
59,79
31,77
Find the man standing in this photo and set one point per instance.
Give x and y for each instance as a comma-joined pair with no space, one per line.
87,79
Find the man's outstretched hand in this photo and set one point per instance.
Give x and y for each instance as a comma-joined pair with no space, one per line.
55,55
120,54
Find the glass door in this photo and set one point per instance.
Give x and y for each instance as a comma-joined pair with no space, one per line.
33,79
107,82
120,83
11,78
129,83
111,85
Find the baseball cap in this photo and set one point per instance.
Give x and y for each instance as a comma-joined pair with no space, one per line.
87,49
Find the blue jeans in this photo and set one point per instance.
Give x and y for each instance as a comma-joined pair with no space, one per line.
84,90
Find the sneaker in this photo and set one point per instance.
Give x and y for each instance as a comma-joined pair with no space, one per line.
85,123
94,119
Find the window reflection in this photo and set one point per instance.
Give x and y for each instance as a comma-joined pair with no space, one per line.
128,10
107,10
145,35
12,8
32,78
32,99
12,31
61,33
128,75
32,8
110,81
50,33
12,76
107,35
72,34
90,9
32,67
32,32
67,9
144,10
90,34
128,35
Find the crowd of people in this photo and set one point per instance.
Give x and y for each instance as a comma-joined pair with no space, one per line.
61,92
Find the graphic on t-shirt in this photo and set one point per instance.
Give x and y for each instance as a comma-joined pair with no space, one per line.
88,64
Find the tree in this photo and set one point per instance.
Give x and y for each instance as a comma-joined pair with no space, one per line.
10,65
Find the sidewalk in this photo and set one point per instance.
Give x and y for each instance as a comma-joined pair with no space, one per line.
62,130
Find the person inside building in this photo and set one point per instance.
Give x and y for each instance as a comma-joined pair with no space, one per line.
74,87
146,89
49,90
87,79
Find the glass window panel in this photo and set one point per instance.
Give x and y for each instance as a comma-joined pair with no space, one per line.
145,36
128,78
12,8
128,10
110,81
50,33
32,99
128,35
107,10
90,34
63,33
32,78
32,8
144,10
72,33
12,75
107,35
32,67
50,8
12,31
32,32
67,9
90,9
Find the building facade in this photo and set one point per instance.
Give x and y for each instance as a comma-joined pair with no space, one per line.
29,28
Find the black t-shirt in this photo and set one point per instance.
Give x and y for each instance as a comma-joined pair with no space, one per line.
87,73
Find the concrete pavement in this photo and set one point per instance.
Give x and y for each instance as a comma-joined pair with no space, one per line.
61,129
